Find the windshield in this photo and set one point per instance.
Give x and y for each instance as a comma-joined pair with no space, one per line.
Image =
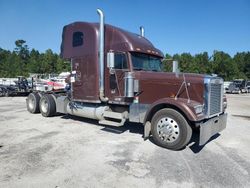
146,62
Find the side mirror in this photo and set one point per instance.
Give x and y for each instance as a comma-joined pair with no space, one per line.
111,60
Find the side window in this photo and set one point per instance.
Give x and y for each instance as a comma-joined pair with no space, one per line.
120,61
77,39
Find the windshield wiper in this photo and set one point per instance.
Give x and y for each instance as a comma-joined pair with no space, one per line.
155,70
138,69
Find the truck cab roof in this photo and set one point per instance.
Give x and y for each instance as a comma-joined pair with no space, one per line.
81,38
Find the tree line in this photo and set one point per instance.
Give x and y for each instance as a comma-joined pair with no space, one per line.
220,63
22,61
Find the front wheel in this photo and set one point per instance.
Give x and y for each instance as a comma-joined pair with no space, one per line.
170,129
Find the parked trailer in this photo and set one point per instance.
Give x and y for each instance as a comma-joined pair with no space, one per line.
116,77
20,87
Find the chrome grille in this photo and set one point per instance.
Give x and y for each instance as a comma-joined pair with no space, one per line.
215,105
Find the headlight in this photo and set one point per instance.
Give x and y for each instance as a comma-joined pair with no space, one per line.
199,109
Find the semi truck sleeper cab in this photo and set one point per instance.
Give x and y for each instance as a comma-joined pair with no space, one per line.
116,76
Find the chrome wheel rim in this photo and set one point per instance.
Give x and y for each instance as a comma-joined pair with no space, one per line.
168,129
44,106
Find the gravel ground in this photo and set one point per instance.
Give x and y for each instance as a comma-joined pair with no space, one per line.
65,152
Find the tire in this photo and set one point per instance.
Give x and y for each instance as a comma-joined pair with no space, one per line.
32,103
170,129
7,94
2,92
47,105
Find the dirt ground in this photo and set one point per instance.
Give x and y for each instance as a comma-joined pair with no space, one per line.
65,152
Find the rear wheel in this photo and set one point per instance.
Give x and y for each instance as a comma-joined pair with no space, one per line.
33,103
170,129
47,105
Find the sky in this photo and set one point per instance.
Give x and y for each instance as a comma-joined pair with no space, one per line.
173,26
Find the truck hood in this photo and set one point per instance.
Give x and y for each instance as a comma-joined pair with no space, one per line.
156,85
168,76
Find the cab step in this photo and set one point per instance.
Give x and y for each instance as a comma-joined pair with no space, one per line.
115,119
111,123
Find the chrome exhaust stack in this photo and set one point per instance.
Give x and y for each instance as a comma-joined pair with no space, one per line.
101,57
142,31
175,67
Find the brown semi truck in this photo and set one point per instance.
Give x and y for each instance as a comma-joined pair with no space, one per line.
117,76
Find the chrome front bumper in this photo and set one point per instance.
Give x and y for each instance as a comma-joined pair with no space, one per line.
211,127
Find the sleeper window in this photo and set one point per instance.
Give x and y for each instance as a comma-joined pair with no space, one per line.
77,39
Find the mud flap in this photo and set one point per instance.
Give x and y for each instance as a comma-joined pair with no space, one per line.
147,129
211,127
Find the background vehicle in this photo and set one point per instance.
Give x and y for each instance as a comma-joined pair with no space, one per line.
248,86
226,87
7,90
241,85
116,77
236,86
233,88
20,87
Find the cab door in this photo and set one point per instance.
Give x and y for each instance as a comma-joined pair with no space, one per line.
116,75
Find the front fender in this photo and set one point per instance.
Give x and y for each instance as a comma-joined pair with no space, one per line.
182,105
